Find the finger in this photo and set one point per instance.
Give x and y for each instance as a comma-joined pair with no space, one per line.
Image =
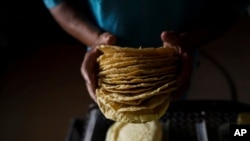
106,39
165,39
87,67
91,86
91,91
169,38
110,40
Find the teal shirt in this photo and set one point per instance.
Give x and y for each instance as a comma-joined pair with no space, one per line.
139,23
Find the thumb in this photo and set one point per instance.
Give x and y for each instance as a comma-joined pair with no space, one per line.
110,39
169,38
164,39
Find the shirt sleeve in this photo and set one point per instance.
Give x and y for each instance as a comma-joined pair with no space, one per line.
52,3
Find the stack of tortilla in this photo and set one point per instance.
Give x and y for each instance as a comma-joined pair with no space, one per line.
135,83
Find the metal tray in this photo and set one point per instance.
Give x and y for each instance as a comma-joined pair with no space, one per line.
183,120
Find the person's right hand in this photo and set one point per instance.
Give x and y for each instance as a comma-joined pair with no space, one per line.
183,80
89,68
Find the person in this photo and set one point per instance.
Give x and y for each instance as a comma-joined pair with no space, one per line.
185,24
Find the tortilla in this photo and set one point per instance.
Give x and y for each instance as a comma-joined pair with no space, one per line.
126,86
135,64
130,91
134,71
138,80
166,88
138,76
123,56
150,131
116,63
109,49
133,117
147,104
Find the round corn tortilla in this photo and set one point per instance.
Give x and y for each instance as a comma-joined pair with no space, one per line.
133,117
150,131
134,70
149,103
128,86
137,76
166,88
131,86
135,88
132,81
117,63
129,69
109,49
146,104
140,64
134,101
130,91
122,57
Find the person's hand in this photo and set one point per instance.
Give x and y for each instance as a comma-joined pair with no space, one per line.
170,39
89,68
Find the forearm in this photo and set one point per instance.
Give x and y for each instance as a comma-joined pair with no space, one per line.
75,24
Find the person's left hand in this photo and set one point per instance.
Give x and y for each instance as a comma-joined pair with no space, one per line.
170,39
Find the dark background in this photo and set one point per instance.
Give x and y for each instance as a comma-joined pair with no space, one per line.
28,21
25,23
41,88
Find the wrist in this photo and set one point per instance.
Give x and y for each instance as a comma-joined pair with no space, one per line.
96,39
